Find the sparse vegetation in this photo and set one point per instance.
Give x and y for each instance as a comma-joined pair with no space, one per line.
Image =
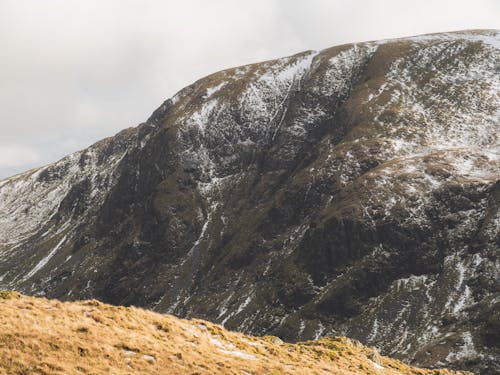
8,294
40,336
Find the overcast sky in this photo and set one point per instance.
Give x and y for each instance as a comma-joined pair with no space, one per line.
73,72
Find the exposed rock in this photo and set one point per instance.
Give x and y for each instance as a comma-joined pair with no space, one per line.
352,191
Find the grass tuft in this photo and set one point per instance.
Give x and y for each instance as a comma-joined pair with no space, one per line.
40,336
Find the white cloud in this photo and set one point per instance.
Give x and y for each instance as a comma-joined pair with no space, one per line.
82,70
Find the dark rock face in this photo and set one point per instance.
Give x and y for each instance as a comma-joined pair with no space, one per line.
350,191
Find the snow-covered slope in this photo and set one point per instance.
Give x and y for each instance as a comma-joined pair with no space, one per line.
43,209
353,190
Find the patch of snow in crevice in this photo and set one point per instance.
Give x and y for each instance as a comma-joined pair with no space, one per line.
461,297
343,68
294,237
174,305
268,267
464,300
240,354
319,331
229,348
43,261
243,305
215,341
223,306
213,90
201,118
466,351
376,365
289,72
374,331
302,327
208,220
411,282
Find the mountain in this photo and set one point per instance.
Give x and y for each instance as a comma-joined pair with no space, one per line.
352,191
92,337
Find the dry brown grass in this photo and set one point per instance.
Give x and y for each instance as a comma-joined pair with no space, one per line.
40,336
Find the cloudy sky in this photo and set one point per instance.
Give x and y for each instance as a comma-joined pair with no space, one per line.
73,72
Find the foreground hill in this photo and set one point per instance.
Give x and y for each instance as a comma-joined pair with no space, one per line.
40,336
351,191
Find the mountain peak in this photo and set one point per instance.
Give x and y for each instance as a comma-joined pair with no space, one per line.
351,191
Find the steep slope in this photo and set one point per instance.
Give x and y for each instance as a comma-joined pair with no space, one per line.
352,191
41,336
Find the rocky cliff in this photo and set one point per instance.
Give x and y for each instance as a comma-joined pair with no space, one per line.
351,191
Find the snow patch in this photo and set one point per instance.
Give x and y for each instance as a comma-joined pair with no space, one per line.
43,261
466,351
240,354
376,365
213,90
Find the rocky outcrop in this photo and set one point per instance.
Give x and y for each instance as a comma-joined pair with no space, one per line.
352,191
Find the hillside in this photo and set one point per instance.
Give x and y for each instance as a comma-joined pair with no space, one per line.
352,191
40,336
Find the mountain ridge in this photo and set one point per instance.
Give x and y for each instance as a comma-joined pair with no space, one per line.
352,190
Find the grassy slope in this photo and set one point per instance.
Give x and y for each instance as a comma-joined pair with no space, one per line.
40,336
